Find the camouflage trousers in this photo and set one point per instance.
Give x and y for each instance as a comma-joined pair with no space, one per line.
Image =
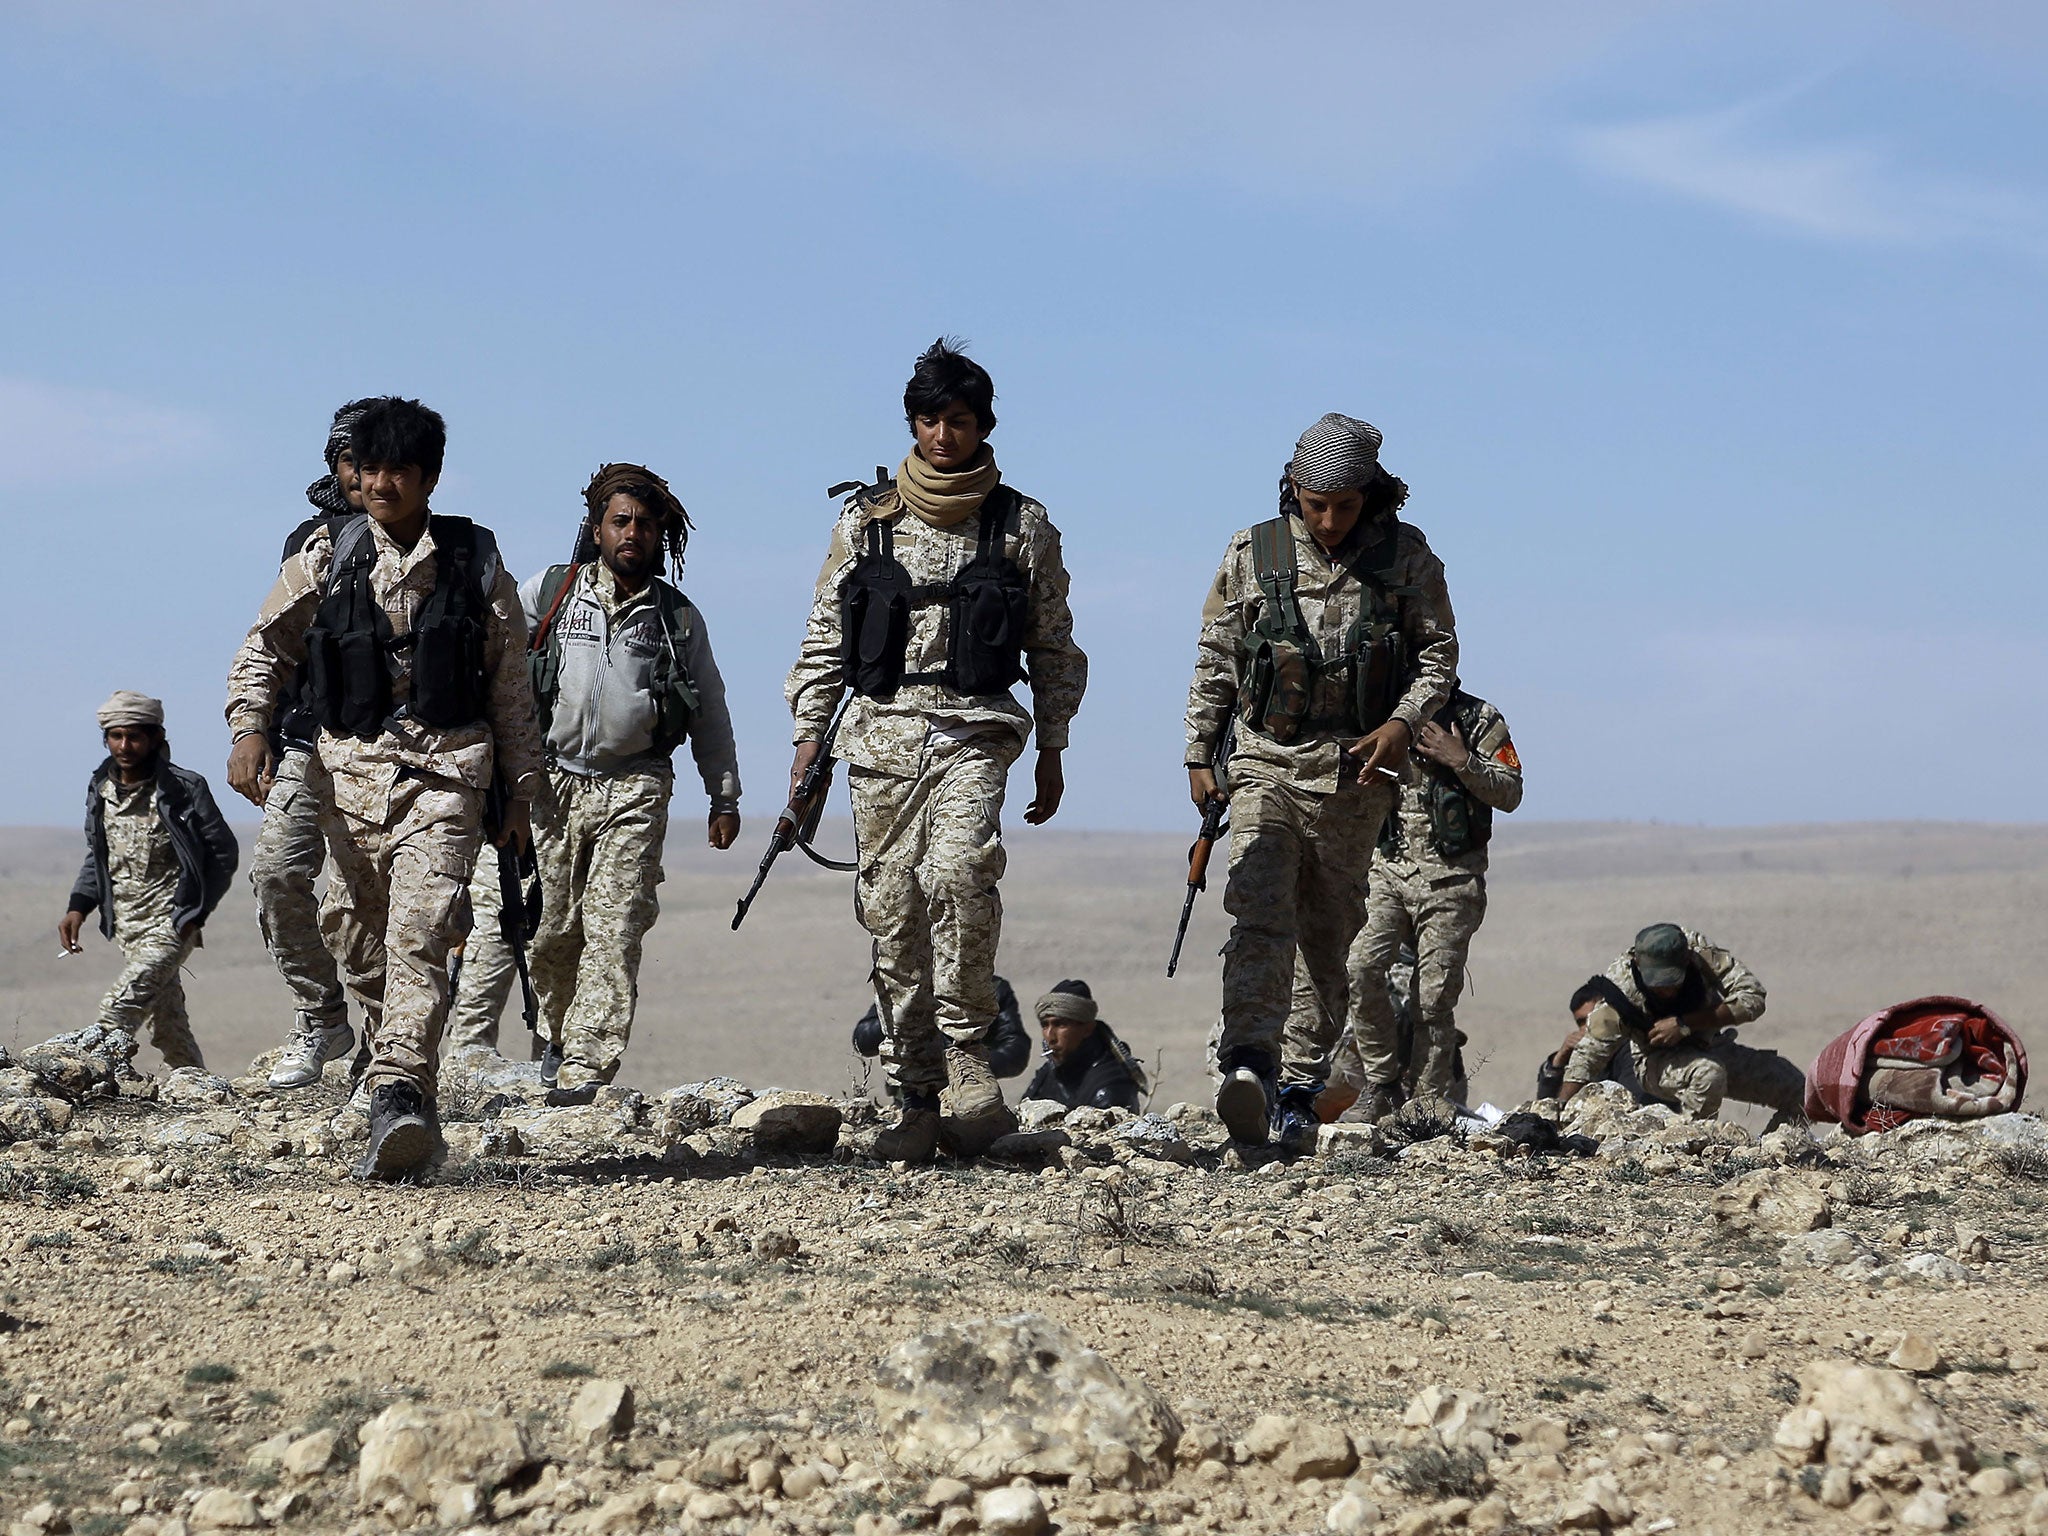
599,848
487,969
1298,867
1436,912
149,992
400,902
1699,1078
931,852
289,852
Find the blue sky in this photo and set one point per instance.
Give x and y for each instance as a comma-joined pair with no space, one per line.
1709,338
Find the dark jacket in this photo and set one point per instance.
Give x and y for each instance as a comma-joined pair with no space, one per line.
1009,1046
200,836
1102,1074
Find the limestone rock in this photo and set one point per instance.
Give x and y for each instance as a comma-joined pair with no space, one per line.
415,1453
311,1456
1037,1114
1269,1434
602,1410
193,1088
1600,1504
1937,1267
1915,1353
1599,1109
29,1117
990,1399
1013,1511
225,1509
1154,1136
795,1123
1352,1515
577,1130
1316,1450
1461,1420
1773,1200
1828,1248
695,1107
66,1072
1927,1510
1852,1410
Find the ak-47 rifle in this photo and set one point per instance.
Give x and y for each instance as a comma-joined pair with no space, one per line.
798,823
1215,811
519,898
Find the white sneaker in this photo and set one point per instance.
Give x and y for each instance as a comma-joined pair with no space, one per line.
310,1048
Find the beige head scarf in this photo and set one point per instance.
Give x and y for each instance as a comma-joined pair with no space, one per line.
1062,1003
128,708
941,497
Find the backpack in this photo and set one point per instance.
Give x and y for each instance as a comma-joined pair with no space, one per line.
1280,661
673,692
350,646
1459,821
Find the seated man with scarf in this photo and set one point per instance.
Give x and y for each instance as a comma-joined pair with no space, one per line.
1086,1066
1674,1000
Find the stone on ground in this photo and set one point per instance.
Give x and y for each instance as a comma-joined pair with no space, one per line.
602,1410
416,1453
796,1123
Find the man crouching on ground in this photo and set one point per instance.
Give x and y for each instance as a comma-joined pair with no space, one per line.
414,647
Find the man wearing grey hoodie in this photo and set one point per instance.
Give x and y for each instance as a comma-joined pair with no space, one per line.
623,675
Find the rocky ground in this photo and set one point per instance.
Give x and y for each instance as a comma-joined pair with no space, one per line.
710,1312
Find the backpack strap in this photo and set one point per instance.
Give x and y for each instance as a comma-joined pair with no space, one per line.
349,539
1277,575
555,587
996,508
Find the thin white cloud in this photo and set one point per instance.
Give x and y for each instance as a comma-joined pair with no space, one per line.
59,433
1852,191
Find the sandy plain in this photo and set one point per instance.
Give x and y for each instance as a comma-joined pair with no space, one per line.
1837,920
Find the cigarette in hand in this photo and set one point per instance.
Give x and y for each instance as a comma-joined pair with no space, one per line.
1379,768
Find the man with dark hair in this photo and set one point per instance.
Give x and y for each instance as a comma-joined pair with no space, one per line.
1674,1000
414,647
941,590
623,674
1328,633
1086,1066
1620,1069
292,788
158,859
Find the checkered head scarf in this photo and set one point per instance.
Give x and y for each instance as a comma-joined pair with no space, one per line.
1338,453
325,493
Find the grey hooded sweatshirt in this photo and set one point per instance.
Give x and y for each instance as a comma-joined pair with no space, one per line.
604,714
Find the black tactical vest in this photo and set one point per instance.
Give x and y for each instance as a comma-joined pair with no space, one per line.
988,604
293,724
350,647
1459,821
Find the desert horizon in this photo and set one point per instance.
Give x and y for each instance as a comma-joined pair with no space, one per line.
1838,919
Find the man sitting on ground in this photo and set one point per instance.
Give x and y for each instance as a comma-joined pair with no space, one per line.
1086,1065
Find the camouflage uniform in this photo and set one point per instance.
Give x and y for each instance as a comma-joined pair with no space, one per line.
488,973
405,822
1433,903
1302,828
1700,1073
926,770
143,870
283,868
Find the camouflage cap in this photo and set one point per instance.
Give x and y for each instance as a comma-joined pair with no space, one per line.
1661,955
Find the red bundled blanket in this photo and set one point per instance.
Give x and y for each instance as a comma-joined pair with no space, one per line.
1935,1057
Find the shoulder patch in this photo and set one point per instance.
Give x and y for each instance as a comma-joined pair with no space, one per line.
1507,757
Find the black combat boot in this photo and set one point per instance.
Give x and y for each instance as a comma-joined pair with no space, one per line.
1294,1120
1244,1098
914,1138
405,1133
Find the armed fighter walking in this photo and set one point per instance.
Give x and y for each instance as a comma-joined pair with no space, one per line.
1328,634
1428,892
158,859
292,788
941,590
622,675
410,632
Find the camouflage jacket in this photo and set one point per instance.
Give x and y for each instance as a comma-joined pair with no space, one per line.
888,735
1726,978
402,580
1330,598
1492,775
